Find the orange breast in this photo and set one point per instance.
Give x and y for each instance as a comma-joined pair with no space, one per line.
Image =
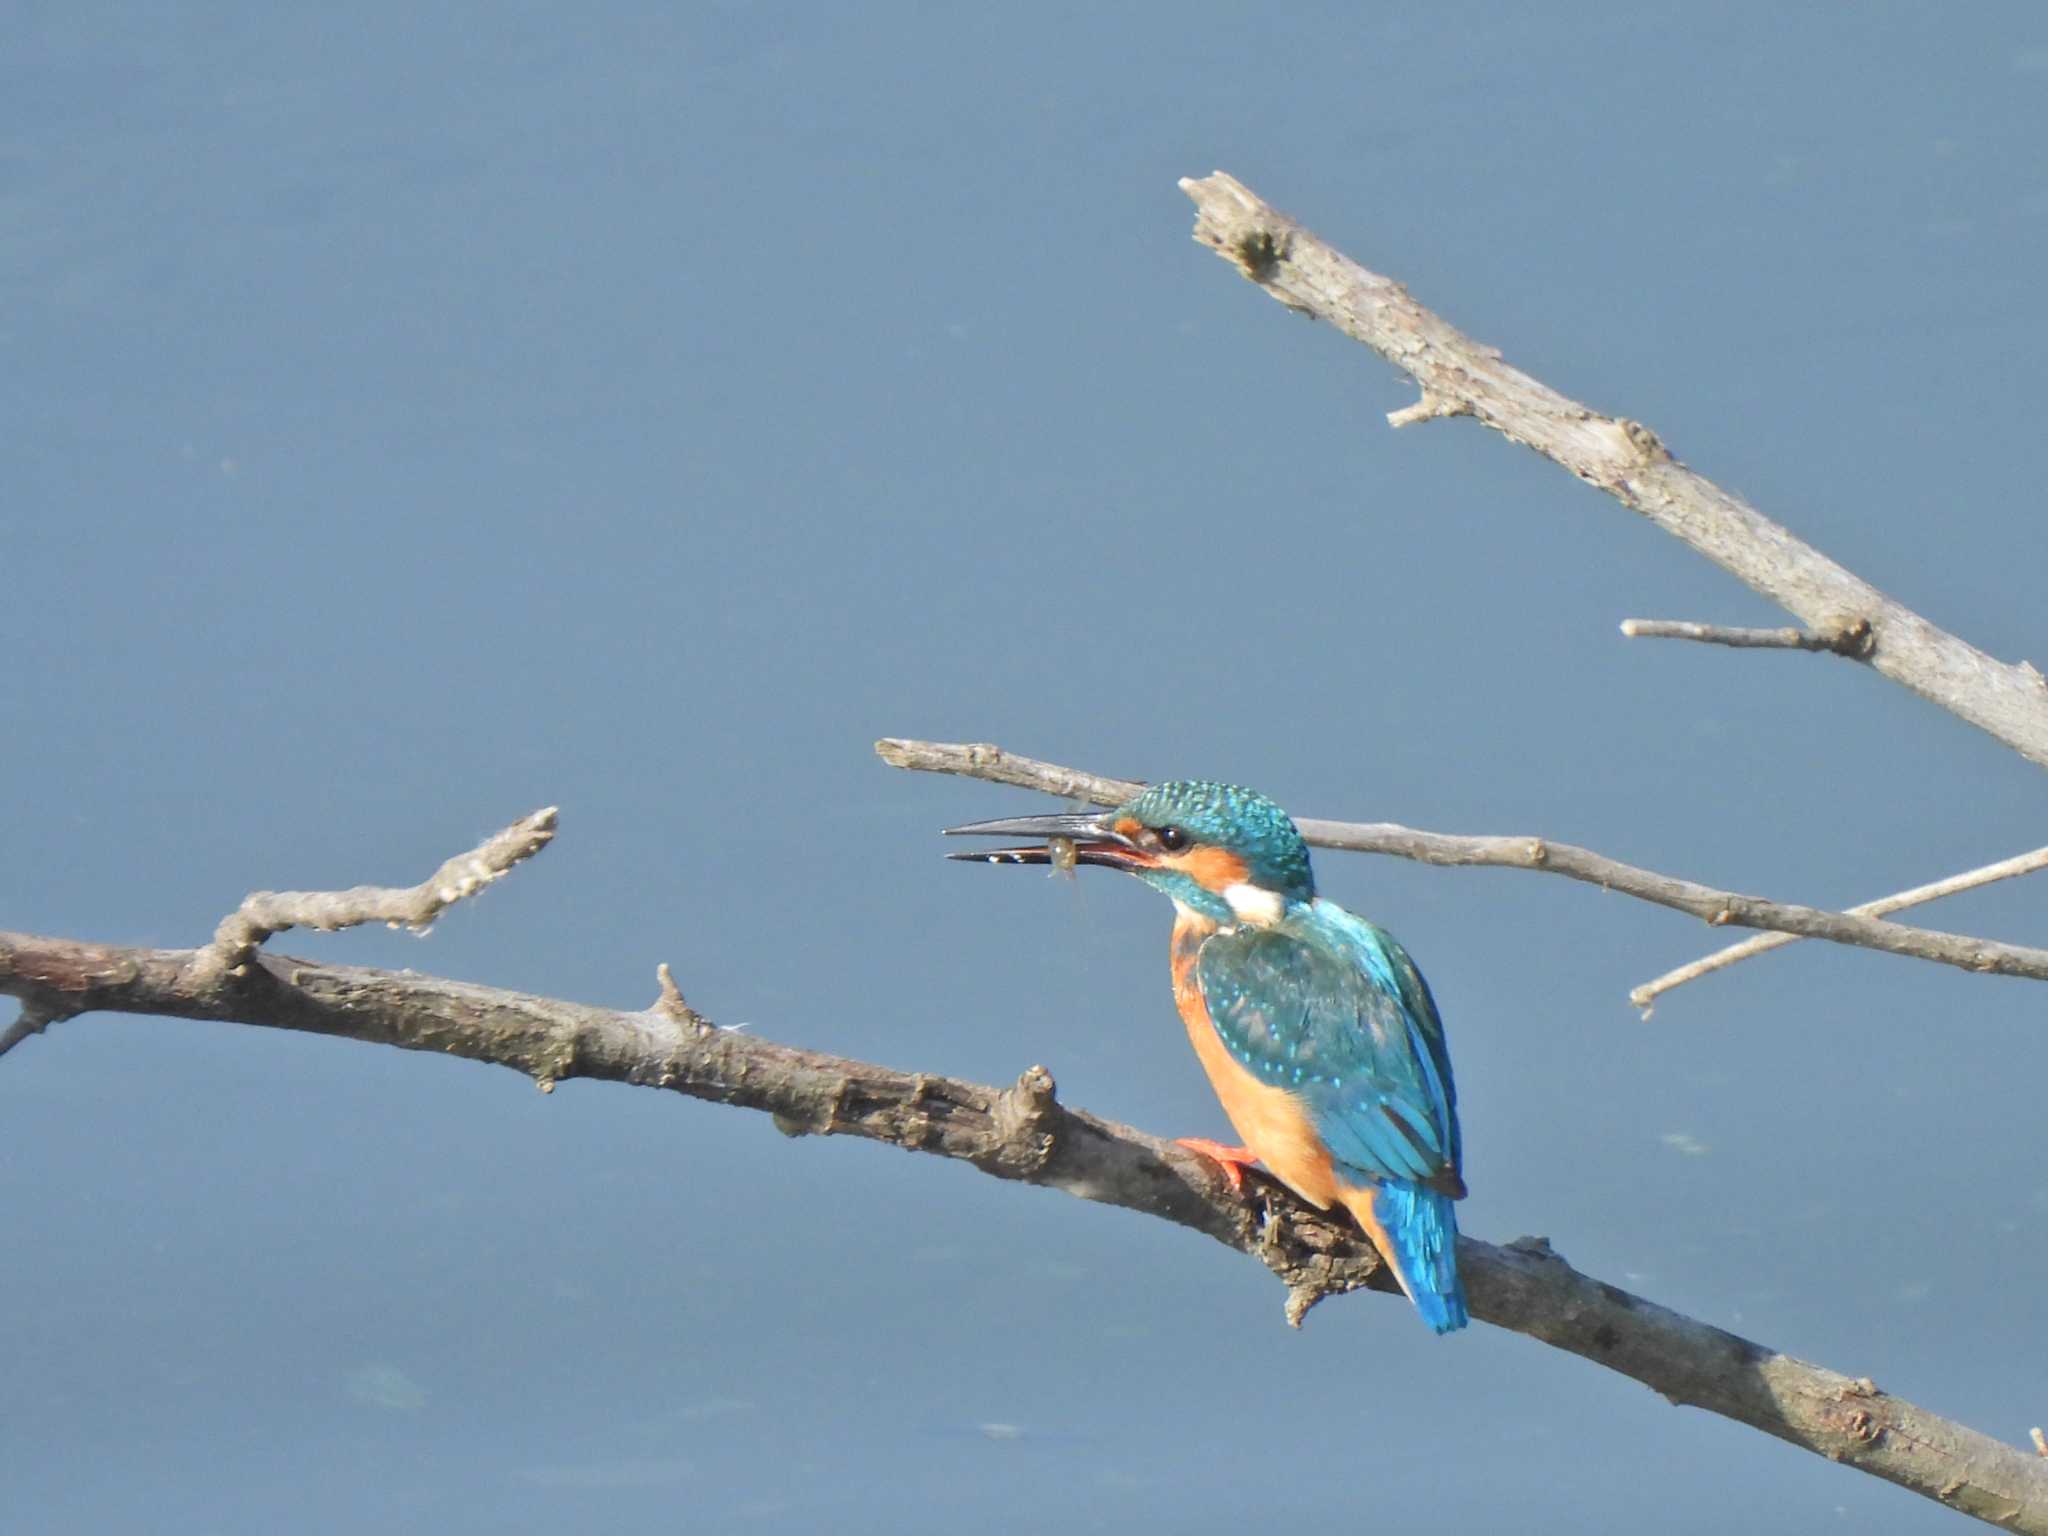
1270,1120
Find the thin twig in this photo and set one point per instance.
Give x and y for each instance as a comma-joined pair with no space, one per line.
1023,1133
35,1017
264,913
669,1000
1461,377
1429,408
981,760
1721,959
1848,639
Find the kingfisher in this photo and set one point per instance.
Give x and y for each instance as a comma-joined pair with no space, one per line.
1317,1031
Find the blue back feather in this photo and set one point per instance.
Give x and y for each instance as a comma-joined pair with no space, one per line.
1331,1009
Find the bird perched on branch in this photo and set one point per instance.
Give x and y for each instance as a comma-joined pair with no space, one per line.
1317,1031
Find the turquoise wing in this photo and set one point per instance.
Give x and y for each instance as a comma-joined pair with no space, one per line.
1331,1009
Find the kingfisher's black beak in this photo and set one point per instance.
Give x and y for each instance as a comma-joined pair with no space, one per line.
1083,837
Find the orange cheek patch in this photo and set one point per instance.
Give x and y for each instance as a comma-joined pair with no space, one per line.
1214,869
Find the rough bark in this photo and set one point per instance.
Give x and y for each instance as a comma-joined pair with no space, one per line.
1023,1133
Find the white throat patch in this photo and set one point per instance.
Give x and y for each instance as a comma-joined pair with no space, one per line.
1255,905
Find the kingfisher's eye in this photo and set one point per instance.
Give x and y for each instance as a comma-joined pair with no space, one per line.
1172,839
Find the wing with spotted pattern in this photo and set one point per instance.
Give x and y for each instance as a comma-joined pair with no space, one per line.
1331,1009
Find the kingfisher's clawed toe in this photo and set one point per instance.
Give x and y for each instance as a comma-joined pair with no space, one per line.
1231,1160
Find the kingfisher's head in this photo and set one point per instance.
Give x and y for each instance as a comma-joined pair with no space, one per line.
1228,853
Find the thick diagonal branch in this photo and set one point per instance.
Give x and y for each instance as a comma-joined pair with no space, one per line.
1461,377
981,760
1023,1133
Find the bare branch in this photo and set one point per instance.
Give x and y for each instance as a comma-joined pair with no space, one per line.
1969,880
1852,639
985,760
264,913
1022,1133
980,760
1459,376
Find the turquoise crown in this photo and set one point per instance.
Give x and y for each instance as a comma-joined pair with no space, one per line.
1240,820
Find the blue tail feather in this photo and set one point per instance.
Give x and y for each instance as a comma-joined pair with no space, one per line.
1424,1227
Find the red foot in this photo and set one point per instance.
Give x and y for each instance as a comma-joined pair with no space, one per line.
1232,1160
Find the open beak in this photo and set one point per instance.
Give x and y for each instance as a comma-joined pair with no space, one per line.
1084,837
